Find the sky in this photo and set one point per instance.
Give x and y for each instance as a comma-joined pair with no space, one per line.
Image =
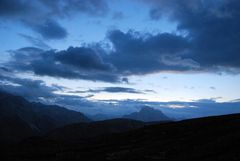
115,56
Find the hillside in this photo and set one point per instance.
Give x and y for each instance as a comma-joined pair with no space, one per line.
20,119
88,130
203,139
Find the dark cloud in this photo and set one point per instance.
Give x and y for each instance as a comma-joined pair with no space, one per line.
213,88
136,53
83,58
73,63
236,100
149,91
42,15
114,90
3,69
90,7
35,41
212,26
30,89
118,15
37,90
133,53
210,44
117,90
49,29
12,8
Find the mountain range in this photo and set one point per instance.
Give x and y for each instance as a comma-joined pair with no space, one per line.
20,118
62,134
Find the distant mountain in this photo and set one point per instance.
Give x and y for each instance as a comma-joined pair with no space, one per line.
148,114
92,129
20,119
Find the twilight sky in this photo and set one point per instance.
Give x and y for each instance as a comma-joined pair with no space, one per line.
112,56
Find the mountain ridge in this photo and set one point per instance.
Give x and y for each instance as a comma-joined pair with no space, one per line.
29,119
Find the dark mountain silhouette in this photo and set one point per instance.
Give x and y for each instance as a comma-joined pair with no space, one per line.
87,130
103,116
20,119
203,139
148,114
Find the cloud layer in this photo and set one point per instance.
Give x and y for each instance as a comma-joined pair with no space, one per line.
210,42
212,26
42,16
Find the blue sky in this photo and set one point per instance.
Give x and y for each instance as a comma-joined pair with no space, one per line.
95,50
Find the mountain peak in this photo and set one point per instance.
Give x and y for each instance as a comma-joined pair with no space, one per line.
148,114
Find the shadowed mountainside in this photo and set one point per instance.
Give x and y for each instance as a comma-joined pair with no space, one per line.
21,119
88,130
203,139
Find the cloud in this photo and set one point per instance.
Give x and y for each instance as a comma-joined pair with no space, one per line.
42,16
118,15
136,54
12,8
37,90
116,90
90,7
82,57
49,29
212,88
133,53
211,42
30,89
35,41
236,100
211,26
73,63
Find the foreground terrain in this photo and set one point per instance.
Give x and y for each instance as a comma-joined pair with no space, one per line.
205,139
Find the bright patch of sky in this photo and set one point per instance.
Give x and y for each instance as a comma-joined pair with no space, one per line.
162,87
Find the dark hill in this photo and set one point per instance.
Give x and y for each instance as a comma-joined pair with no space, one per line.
20,119
87,130
204,139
